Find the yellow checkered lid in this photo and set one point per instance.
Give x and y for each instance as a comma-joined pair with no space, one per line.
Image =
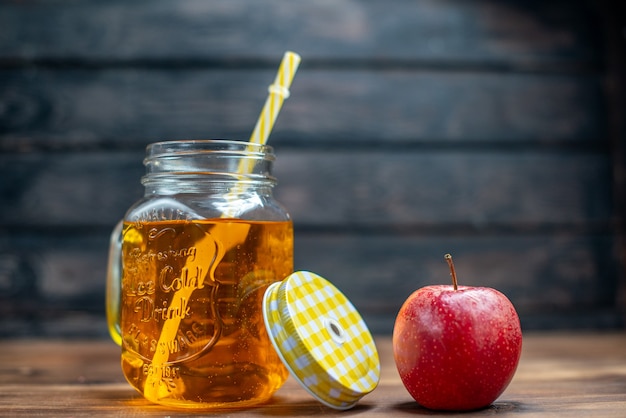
322,339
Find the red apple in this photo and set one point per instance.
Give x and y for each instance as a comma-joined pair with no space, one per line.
456,347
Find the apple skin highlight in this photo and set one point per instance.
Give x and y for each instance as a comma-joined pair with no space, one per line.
456,349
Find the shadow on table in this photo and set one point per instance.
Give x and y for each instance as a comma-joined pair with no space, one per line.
495,408
284,407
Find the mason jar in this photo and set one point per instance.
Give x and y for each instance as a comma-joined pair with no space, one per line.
189,265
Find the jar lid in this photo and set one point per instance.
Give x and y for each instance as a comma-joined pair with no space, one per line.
322,339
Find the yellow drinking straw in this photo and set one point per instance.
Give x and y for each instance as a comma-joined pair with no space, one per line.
278,92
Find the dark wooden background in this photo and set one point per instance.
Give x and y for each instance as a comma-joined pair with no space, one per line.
493,130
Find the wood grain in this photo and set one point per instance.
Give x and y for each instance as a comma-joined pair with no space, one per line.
52,108
337,188
481,32
564,281
559,374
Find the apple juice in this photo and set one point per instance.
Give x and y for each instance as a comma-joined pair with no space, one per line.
192,325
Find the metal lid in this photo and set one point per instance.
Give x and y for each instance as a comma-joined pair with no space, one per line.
321,339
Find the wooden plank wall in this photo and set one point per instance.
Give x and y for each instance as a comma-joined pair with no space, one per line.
415,128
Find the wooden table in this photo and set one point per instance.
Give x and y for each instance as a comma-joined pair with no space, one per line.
559,375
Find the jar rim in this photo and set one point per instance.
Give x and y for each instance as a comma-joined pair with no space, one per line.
207,161
198,146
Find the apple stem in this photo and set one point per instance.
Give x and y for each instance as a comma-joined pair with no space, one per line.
448,258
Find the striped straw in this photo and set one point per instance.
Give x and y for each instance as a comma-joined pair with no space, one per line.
278,92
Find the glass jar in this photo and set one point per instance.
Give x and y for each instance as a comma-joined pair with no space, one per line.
189,266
